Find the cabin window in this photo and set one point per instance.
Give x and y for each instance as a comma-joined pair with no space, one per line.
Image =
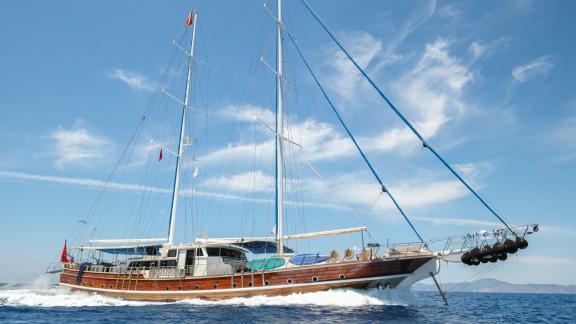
266,283
213,251
342,276
250,284
314,278
143,264
171,253
228,253
290,281
216,286
234,285
197,287
151,250
190,257
168,263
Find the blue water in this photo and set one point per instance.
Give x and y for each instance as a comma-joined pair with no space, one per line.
53,304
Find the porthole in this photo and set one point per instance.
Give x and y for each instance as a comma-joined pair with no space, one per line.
342,276
314,278
266,283
215,286
102,285
290,281
91,284
180,288
111,287
167,288
197,287
250,284
234,285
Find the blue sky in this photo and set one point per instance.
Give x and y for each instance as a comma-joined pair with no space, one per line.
490,84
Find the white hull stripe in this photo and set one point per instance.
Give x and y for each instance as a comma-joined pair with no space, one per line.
202,292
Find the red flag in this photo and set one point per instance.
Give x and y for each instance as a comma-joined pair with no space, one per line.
190,19
64,255
160,156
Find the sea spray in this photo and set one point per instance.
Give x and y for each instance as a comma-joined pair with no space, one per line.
336,298
41,293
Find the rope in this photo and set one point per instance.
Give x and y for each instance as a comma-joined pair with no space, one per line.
384,189
399,114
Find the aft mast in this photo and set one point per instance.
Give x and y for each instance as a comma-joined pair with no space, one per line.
192,19
279,138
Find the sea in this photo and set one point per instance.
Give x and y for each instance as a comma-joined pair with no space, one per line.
41,302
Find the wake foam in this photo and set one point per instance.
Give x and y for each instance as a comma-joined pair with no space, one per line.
335,298
43,293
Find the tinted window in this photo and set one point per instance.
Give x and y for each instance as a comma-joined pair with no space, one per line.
213,251
168,263
171,253
151,250
228,253
143,264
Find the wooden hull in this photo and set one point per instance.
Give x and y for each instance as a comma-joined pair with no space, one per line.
356,274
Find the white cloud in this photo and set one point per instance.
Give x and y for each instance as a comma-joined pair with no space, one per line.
248,113
473,171
411,24
561,135
477,49
370,53
76,146
129,187
133,80
431,93
433,89
354,192
482,50
81,182
255,181
364,48
409,194
364,194
320,142
540,66
454,221
449,11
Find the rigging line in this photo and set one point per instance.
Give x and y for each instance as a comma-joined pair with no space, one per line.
100,196
399,114
384,189
311,166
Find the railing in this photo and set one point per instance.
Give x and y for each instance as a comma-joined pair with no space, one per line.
55,267
167,272
461,243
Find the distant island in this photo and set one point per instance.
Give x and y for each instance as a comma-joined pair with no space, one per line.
488,285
